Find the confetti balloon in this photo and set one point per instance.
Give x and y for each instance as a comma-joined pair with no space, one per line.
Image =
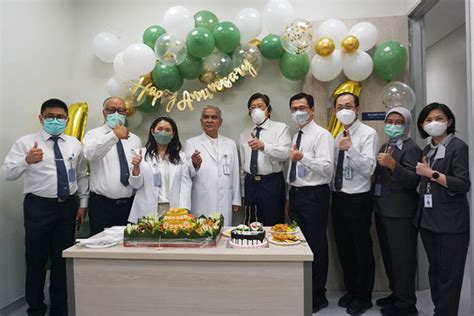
297,36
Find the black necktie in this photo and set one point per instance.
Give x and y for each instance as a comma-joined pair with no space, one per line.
124,172
339,168
293,163
63,183
254,157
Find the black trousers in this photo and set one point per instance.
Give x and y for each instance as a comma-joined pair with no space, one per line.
268,195
49,229
309,207
105,212
352,216
447,256
398,239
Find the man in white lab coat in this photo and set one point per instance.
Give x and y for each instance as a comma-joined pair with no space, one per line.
214,170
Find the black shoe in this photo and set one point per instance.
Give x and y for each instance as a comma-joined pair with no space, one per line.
358,307
382,302
320,305
393,310
345,300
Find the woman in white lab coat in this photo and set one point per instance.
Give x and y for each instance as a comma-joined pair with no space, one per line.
160,172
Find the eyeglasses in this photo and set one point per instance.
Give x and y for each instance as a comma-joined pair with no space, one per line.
113,110
299,108
59,117
261,106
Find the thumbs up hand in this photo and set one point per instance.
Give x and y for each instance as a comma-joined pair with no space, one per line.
196,159
386,160
295,154
255,143
345,142
136,160
35,154
423,168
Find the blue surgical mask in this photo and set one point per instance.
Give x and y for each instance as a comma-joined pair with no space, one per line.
114,119
163,137
54,126
300,117
394,131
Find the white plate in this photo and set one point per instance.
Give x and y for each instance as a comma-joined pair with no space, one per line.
284,243
226,232
289,232
100,246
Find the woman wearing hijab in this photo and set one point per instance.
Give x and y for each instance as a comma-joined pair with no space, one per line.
443,212
159,172
395,205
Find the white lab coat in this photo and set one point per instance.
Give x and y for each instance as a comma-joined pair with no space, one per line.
212,190
146,198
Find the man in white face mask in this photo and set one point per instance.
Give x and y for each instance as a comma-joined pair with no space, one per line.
263,151
355,159
109,150
309,176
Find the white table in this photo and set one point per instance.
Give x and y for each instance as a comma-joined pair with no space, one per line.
196,281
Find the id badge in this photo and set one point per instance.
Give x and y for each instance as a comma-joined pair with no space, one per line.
428,201
348,173
226,169
157,179
378,189
301,171
71,174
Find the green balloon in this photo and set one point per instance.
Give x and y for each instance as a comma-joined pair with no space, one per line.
270,47
200,42
147,107
190,68
167,77
227,36
294,67
206,19
151,34
390,59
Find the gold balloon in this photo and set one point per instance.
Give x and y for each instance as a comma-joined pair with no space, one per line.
256,42
77,119
130,106
207,77
325,47
350,44
351,86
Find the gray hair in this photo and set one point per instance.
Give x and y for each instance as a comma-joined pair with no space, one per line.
110,98
215,107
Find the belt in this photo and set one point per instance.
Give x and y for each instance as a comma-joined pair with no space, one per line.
261,177
308,187
117,201
47,199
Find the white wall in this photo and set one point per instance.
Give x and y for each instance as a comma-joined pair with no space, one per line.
35,65
446,76
46,49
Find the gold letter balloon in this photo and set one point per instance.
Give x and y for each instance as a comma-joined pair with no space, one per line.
77,119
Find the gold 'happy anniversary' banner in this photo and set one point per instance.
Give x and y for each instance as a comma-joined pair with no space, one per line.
187,98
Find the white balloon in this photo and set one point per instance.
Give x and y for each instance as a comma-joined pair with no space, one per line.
139,58
122,73
366,33
276,15
135,120
334,29
357,66
106,46
178,21
249,22
327,68
117,88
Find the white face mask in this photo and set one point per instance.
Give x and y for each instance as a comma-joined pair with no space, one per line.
346,116
300,117
258,116
435,128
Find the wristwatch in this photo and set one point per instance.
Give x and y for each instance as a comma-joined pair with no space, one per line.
435,175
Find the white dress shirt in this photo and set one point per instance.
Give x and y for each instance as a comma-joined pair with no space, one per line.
360,157
41,178
162,166
317,145
277,140
100,148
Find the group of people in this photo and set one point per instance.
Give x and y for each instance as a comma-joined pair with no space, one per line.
270,173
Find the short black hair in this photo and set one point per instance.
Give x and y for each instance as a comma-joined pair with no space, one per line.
53,103
426,111
309,98
356,98
264,98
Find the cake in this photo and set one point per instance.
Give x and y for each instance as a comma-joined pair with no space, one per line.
252,236
177,228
